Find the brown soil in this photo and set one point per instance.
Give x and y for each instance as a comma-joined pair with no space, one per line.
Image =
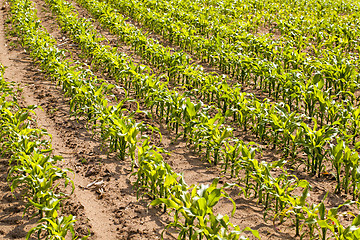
112,211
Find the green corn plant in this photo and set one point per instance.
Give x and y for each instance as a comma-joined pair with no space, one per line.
257,179
309,94
296,208
242,113
283,124
313,142
328,220
195,208
351,173
55,229
341,232
345,159
236,153
37,174
355,123
259,119
154,176
190,114
224,232
210,134
345,163
336,156
119,132
282,188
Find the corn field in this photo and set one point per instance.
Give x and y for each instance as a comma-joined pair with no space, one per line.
261,98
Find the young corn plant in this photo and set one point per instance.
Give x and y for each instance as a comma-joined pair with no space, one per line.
36,173
55,229
236,154
154,176
193,212
346,164
314,141
295,208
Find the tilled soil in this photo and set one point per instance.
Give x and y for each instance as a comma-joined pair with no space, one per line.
111,210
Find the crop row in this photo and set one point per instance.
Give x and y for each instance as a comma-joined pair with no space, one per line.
272,122
215,89
294,19
33,167
279,69
68,17
331,112
298,94
298,28
122,132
